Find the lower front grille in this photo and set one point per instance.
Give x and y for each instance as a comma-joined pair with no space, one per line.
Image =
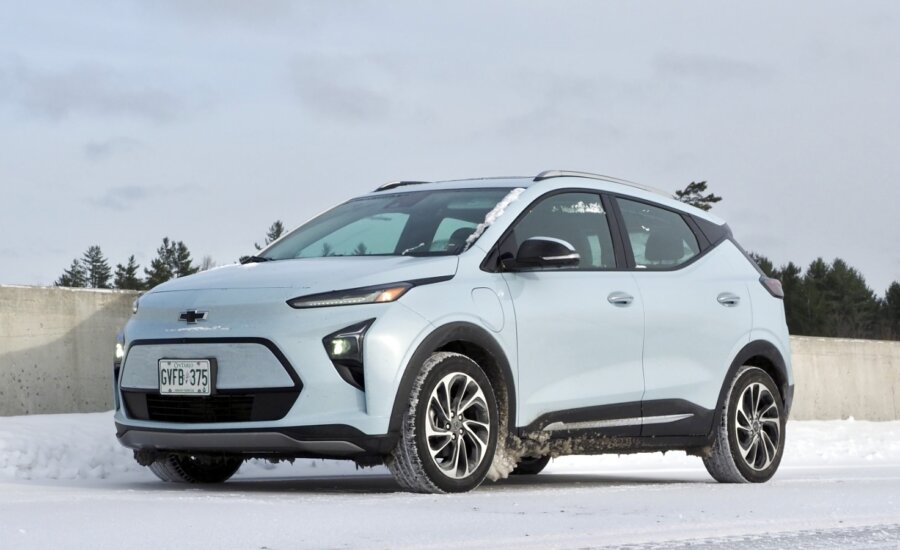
219,408
242,407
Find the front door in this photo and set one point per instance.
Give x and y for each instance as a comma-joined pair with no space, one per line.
579,329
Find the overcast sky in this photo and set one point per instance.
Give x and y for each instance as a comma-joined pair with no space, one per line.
124,121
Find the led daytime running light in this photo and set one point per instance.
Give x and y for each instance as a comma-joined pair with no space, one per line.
370,295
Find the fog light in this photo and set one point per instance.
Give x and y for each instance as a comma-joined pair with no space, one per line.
342,347
345,349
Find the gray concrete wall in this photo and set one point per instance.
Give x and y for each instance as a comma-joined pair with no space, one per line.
56,348
838,378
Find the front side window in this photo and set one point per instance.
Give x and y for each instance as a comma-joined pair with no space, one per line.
577,218
660,238
415,223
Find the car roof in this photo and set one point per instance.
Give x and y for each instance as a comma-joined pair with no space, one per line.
554,179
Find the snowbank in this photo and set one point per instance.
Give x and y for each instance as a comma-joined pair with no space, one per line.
83,446
62,446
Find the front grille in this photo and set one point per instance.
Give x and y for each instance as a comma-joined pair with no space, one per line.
243,407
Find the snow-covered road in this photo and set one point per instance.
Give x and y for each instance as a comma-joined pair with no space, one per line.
64,483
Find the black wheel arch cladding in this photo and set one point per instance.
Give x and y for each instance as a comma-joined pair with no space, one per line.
472,341
762,354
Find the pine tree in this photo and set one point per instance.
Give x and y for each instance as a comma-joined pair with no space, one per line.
852,306
814,306
792,283
126,277
890,311
160,269
96,267
173,259
74,277
693,195
275,231
182,264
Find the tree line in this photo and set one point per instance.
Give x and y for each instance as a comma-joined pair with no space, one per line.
173,259
833,300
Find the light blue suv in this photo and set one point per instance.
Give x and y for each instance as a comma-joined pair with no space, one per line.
466,329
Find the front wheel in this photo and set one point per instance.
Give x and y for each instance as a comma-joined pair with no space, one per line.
749,441
182,468
449,432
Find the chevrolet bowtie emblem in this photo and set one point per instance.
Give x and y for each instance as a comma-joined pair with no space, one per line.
192,316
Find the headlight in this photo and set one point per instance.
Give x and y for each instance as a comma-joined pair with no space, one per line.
345,349
355,296
120,351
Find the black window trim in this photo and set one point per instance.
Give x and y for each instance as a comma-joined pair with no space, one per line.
491,262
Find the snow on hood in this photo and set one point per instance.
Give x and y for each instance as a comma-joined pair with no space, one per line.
332,273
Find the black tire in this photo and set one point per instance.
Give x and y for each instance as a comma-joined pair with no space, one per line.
531,466
749,442
461,464
181,468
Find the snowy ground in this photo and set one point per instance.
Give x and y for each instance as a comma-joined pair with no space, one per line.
65,483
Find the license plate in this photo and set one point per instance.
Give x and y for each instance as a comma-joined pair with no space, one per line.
185,377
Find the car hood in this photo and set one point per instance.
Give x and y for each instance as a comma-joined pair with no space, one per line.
316,274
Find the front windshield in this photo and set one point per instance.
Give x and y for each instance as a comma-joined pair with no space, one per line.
417,223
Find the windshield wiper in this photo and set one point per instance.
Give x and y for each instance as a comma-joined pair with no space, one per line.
255,259
413,249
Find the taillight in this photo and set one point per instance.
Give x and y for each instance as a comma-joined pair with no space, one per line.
773,286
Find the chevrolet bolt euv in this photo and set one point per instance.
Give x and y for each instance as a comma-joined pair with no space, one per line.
463,330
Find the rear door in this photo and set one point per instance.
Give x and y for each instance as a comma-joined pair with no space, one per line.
580,329
697,316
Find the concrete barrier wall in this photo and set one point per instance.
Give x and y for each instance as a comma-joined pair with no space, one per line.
56,348
838,378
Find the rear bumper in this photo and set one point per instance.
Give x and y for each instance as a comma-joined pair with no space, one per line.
330,441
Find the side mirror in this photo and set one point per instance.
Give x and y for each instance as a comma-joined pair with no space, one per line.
542,252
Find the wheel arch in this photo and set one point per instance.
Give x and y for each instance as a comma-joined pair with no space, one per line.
475,343
764,355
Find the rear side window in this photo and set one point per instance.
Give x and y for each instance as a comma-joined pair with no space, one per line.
660,238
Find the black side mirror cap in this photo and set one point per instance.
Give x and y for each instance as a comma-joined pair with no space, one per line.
542,252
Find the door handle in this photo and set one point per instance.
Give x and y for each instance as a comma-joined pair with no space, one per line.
728,299
620,299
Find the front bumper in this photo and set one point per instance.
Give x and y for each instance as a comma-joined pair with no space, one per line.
327,441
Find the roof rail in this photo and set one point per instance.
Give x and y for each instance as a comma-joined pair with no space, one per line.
395,184
547,174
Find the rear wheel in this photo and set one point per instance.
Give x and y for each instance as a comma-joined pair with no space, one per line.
530,465
749,442
449,432
181,468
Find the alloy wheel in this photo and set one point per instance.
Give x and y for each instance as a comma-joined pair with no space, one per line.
457,426
757,426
